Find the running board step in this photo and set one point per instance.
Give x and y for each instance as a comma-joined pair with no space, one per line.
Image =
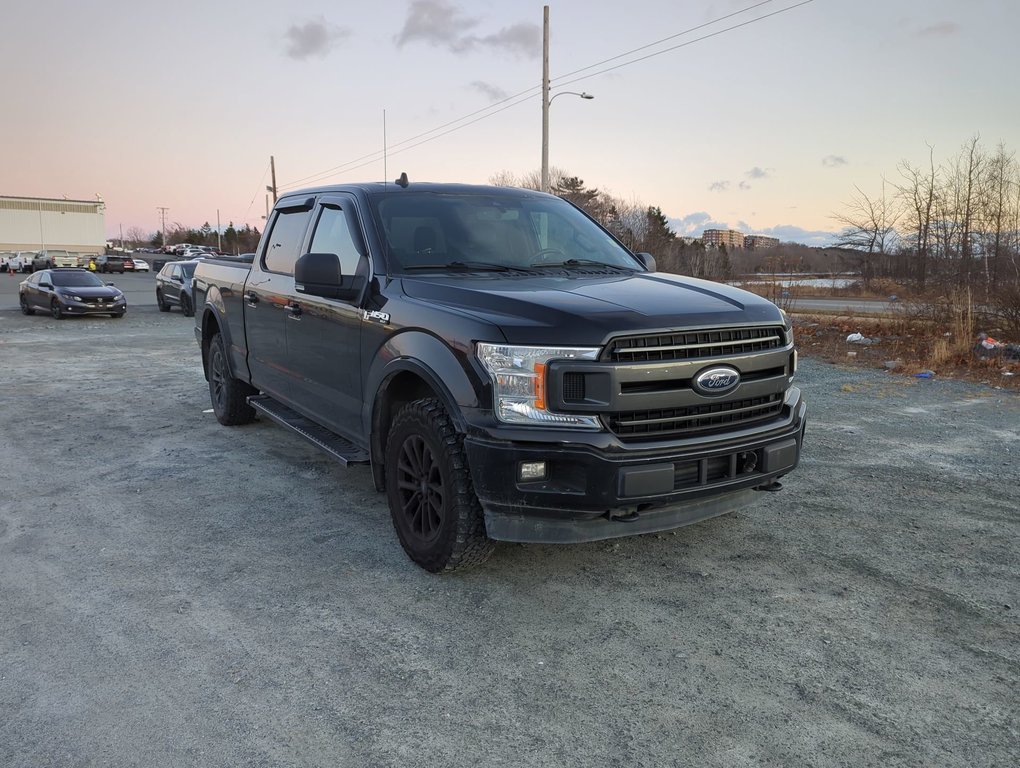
340,449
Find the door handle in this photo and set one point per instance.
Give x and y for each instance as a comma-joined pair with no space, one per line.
293,310
252,298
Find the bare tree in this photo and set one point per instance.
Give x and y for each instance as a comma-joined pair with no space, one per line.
869,226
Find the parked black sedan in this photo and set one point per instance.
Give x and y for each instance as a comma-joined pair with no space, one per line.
63,292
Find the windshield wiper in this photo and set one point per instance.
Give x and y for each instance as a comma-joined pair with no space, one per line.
469,266
585,263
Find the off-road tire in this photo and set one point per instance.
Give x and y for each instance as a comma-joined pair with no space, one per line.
25,309
433,504
229,395
161,302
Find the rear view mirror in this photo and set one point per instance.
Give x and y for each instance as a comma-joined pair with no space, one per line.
318,274
648,260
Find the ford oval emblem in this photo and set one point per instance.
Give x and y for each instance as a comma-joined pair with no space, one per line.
716,381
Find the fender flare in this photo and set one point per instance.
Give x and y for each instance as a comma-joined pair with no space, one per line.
215,309
431,360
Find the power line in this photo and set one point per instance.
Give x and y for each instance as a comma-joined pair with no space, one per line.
373,157
262,181
685,44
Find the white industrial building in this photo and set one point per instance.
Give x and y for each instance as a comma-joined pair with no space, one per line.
35,223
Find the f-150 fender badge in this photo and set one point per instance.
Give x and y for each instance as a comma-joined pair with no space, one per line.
716,381
379,317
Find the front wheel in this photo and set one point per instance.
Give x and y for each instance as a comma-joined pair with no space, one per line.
433,505
55,310
161,302
186,309
229,395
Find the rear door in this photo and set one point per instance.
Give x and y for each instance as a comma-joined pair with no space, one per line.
324,335
268,294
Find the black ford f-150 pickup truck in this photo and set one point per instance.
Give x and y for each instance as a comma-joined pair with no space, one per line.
507,367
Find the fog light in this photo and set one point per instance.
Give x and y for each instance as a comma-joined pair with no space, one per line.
531,470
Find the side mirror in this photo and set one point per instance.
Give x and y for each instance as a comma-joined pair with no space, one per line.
318,274
44,284
109,283
648,260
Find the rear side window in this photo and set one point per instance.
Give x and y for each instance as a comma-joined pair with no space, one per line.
284,242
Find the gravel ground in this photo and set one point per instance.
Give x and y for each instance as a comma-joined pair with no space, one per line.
177,593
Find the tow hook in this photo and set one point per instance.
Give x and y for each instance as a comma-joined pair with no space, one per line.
622,515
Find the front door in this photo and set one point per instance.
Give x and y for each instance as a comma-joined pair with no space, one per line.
324,335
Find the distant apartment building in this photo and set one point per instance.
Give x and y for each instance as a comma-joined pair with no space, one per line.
760,241
731,238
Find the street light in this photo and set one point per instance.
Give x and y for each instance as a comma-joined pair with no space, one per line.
545,131
547,100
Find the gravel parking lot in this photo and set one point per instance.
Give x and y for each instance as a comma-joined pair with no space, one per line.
174,592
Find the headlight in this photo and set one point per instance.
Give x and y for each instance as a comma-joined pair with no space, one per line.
71,297
519,382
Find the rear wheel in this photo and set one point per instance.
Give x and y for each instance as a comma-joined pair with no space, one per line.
25,309
55,310
229,395
433,505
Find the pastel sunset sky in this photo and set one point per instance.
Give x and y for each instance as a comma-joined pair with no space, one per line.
754,121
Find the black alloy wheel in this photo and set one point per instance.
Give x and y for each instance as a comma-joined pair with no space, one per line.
161,302
432,502
55,310
25,309
186,309
422,490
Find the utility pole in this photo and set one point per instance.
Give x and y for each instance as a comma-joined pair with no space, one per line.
272,169
545,98
219,241
162,227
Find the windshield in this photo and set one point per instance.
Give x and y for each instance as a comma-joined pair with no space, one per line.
430,229
76,279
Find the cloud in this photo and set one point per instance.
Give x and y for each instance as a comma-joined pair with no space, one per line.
314,38
443,25
939,29
833,161
493,92
759,173
788,233
718,186
744,185
694,225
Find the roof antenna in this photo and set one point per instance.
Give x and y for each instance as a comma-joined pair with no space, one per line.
402,181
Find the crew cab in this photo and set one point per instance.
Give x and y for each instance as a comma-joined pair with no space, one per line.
506,366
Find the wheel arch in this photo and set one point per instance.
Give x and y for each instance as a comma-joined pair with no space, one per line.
418,366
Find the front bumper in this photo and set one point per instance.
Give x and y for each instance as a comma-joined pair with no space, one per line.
92,308
590,493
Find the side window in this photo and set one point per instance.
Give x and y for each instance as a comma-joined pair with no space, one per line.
285,242
332,235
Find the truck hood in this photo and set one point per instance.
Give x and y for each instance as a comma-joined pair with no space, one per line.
586,311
